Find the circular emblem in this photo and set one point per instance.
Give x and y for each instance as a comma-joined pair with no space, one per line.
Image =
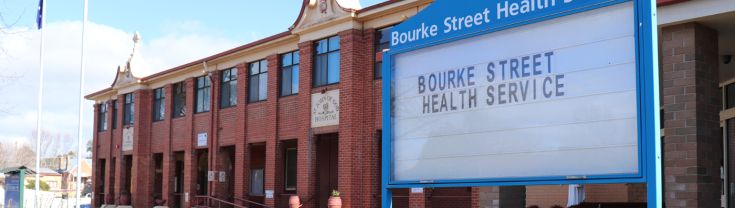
323,6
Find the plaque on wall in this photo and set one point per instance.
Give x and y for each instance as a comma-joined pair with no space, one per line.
325,109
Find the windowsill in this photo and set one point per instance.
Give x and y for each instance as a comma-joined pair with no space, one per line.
257,101
177,117
289,95
201,112
324,85
226,107
155,121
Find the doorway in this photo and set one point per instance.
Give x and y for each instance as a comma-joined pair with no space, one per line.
228,157
327,152
257,173
110,198
100,187
158,176
178,179
202,171
128,181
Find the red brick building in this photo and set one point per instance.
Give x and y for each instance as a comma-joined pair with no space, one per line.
298,113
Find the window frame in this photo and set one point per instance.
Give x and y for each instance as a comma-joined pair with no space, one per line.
228,83
159,104
102,117
114,114
178,102
325,55
205,88
286,169
378,52
128,109
252,188
727,103
262,72
294,65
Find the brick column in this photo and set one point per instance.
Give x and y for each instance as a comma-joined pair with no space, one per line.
142,171
241,173
168,163
118,173
306,165
190,160
691,102
355,133
271,142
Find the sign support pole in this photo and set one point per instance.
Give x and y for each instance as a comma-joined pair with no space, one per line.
649,25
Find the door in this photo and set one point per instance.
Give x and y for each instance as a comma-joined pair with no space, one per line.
327,154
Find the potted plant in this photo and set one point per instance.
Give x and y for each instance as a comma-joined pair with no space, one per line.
294,201
334,200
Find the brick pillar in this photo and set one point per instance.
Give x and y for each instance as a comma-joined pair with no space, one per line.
418,200
241,173
691,102
271,142
142,171
306,164
215,187
95,157
355,134
190,160
117,153
168,165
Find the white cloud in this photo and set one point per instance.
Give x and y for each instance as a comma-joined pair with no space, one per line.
107,47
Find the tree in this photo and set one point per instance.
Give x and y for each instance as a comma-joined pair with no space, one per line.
16,154
53,144
43,185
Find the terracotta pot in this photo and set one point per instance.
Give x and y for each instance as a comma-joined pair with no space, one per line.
334,202
294,201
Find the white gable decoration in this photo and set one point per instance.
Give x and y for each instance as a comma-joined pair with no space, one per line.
319,11
125,75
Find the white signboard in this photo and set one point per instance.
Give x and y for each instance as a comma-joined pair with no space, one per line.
127,138
268,194
325,109
210,176
222,177
545,99
202,139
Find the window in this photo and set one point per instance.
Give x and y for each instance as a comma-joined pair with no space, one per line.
114,114
326,70
202,94
228,88
290,73
258,81
128,109
179,108
256,182
729,96
102,117
290,169
158,104
382,44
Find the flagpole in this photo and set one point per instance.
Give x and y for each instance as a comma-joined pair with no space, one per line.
81,105
39,106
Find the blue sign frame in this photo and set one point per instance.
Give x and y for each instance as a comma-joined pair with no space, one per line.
647,86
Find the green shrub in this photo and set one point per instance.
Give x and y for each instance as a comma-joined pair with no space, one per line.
32,185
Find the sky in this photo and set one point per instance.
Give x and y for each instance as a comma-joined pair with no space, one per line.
173,33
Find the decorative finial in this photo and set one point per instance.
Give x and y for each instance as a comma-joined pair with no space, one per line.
136,37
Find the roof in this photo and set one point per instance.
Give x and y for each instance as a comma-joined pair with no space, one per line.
17,169
47,171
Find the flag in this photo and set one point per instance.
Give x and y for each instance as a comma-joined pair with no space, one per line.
39,16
